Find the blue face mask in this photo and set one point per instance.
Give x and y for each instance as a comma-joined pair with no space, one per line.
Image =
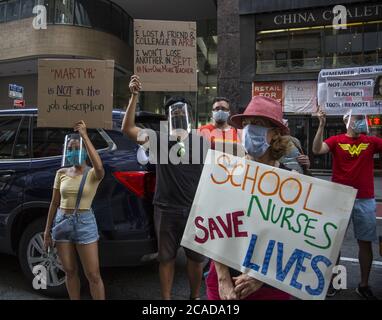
255,140
220,116
360,126
73,157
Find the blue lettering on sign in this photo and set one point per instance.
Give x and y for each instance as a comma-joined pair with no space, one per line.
294,264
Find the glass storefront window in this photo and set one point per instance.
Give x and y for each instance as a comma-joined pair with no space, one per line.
64,11
2,11
27,8
309,49
102,15
272,52
82,13
116,21
13,10
305,50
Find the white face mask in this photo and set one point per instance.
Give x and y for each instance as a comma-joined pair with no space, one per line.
220,116
255,140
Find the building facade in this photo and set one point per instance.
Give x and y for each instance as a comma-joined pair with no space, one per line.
284,45
100,29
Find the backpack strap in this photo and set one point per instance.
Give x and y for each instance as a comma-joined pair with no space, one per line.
81,189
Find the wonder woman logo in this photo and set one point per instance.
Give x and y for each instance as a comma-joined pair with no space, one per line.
354,149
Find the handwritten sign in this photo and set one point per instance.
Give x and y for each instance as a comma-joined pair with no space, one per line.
359,89
280,227
165,55
70,90
300,96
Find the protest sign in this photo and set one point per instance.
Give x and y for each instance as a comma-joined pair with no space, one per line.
270,89
70,90
358,89
278,226
165,55
300,96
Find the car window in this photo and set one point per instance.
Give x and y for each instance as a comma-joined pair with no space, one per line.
21,148
8,131
48,142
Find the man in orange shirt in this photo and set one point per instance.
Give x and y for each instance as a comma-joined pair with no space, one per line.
219,131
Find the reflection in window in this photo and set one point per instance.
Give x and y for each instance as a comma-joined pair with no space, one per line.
83,9
2,11
271,50
27,8
64,11
8,131
305,50
13,10
21,149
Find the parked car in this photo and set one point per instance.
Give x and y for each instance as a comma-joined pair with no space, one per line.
29,159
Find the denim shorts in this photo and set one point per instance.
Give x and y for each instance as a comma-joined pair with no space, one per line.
83,227
364,219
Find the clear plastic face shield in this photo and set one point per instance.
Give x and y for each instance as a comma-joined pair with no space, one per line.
74,153
358,123
179,119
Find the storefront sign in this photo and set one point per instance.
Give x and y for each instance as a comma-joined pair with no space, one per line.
300,96
272,90
70,90
359,89
324,16
165,55
278,226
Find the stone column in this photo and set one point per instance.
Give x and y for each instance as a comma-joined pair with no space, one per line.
229,51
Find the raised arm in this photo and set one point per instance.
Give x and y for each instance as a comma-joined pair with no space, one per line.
320,147
128,124
92,152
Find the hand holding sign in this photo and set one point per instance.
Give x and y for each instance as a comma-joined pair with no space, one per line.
135,84
246,285
80,127
321,117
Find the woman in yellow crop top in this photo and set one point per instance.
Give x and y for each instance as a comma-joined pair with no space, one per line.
82,237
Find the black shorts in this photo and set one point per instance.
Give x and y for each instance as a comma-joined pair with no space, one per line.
169,228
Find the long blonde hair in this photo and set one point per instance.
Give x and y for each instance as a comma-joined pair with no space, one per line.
279,145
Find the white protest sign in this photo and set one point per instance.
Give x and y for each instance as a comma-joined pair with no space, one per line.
300,96
278,226
165,55
359,89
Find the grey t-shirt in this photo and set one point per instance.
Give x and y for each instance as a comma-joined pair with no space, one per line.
177,177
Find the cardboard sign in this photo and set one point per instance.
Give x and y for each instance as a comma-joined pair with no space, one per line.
358,89
71,90
300,96
165,55
278,226
272,90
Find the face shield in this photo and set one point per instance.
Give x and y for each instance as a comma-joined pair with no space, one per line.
74,153
179,119
358,123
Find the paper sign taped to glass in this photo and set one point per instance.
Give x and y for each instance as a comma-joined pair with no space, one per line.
358,89
278,226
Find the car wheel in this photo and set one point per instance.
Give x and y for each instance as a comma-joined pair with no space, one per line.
32,254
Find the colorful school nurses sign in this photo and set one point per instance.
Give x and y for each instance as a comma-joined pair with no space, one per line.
358,89
278,226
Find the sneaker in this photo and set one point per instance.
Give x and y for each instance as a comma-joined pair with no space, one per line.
331,292
366,293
